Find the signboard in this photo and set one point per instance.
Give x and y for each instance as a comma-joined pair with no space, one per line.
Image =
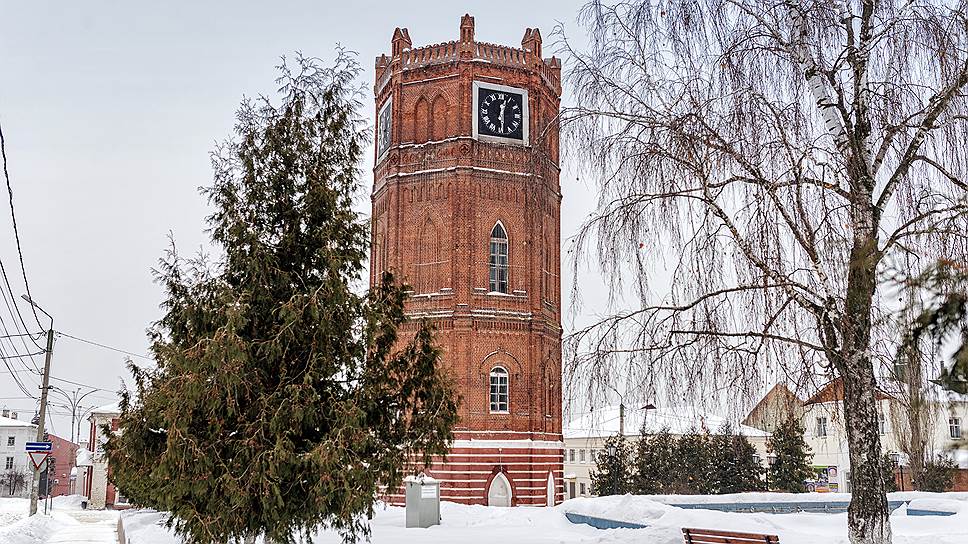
825,480
428,492
39,446
38,457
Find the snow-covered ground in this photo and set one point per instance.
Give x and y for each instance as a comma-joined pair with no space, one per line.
66,523
486,525
480,525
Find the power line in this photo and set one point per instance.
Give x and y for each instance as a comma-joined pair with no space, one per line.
93,343
16,232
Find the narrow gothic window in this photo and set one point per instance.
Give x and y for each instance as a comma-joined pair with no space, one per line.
499,390
499,260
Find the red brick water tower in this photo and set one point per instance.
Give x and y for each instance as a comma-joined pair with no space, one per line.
466,204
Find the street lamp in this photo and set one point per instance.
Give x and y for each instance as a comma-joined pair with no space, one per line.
645,415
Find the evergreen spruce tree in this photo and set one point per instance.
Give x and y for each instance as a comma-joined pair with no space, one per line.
283,398
613,468
792,458
724,467
694,473
655,462
937,475
749,469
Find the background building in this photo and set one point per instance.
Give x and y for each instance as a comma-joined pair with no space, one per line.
16,470
62,459
824,431
99,491
466,210
585,436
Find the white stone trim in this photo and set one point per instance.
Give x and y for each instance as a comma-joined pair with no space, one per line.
527,443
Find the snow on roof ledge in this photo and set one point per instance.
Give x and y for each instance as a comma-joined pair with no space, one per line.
11,422
603,422
113,408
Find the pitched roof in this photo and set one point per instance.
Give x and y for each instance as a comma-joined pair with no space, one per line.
833,391
779,394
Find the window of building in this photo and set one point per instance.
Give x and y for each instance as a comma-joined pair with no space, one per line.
822,427
499,260
11,440
581,489
882,422
571,456
499,390
954,427
571,490
592,456
581,457
9,464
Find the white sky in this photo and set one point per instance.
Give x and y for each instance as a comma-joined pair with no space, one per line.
109,110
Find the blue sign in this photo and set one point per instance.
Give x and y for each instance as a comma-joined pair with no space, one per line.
39,446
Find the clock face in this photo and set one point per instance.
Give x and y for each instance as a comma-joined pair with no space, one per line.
502,112
383,126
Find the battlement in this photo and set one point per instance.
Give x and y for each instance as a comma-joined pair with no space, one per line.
404,57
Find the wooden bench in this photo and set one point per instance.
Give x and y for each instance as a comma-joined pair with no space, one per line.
711,536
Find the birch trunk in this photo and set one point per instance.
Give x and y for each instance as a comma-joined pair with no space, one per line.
868,519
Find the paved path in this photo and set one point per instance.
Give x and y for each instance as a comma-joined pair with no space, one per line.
95,527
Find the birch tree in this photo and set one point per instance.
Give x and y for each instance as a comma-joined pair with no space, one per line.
782,155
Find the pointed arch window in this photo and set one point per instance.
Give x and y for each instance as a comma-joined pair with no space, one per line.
499,259
499,390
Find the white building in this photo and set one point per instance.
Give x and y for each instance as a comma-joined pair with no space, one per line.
16,470
585,436
825,433
98,490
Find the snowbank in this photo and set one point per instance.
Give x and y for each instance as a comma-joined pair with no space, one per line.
480,524
30,530
938,505
628,508
147,527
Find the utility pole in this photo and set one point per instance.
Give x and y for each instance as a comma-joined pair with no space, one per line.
35,486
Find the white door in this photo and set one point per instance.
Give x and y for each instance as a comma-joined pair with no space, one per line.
499,494
551,490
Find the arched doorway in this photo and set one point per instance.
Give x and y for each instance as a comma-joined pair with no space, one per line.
499,493
551,489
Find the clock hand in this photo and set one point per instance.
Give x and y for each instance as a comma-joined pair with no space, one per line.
503,105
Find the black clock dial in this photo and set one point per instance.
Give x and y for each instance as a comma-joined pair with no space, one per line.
500,113
383,131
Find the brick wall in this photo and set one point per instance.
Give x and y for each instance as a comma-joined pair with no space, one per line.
437,194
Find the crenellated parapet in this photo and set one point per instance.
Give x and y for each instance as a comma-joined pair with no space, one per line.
405,57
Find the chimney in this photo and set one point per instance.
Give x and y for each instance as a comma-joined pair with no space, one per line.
466,29
13,415
532,42
400,41
5,413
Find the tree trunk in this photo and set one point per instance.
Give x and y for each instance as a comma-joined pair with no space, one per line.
868,516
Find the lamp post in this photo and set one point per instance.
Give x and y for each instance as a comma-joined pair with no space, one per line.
74,400
645,415
41,424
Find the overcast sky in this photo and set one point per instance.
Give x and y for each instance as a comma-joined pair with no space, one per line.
109,111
